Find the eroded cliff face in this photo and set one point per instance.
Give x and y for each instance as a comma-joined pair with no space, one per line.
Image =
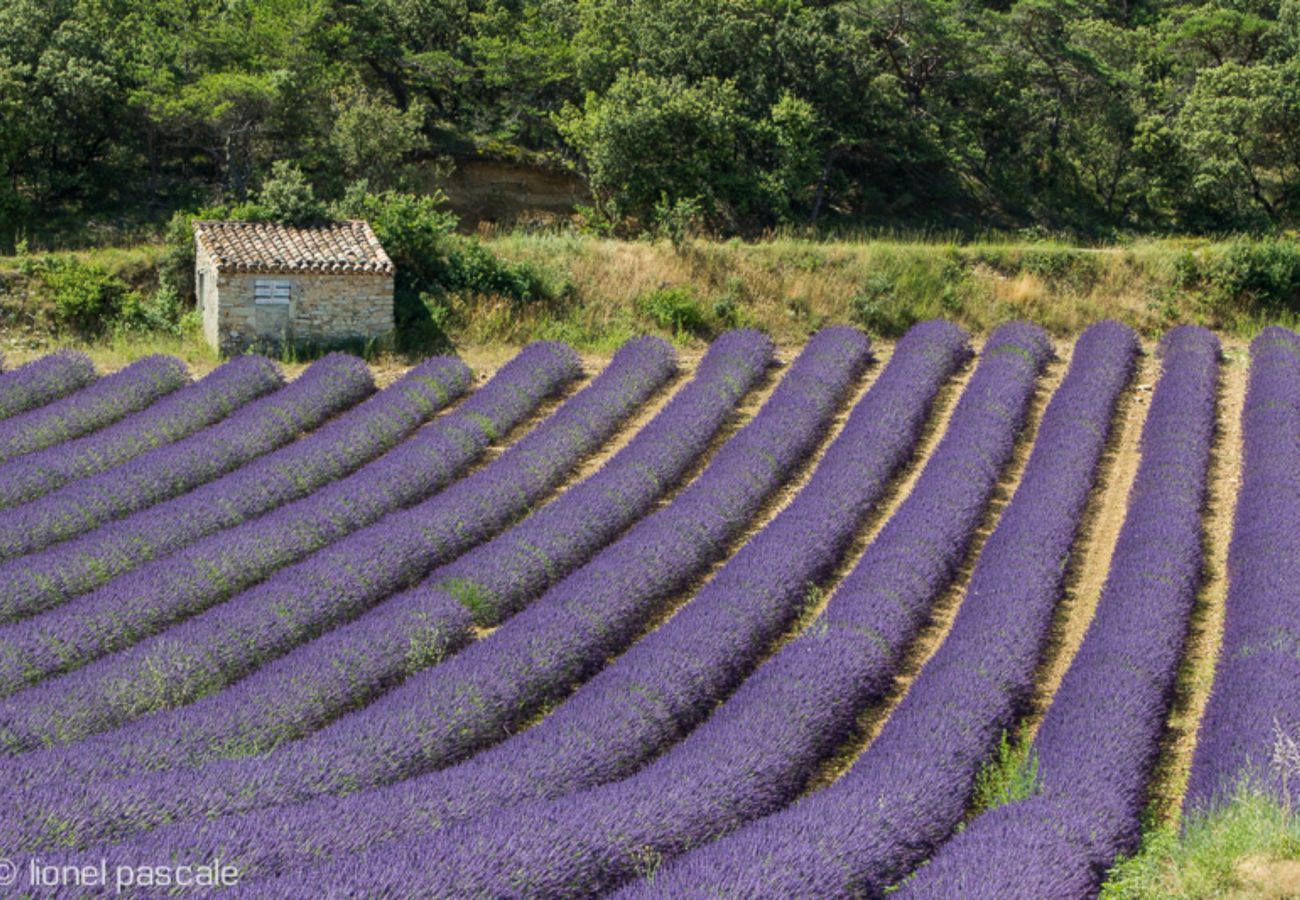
487,191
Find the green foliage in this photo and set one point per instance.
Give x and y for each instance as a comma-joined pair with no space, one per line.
434,263
1011,775
675,309
1255,277
1074,117
375,139
906,288
880,308
1247,847
288,197
86,298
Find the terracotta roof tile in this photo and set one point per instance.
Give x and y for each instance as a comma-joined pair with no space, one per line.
340,247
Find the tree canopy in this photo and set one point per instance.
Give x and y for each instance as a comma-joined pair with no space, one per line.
1091,116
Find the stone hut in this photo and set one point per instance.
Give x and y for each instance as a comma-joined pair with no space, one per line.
263,282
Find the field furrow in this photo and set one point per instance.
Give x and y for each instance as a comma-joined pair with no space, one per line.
208,651
328,387
750,754
37,581
346,667
447,712
910,788
762,621
1249,728
636,706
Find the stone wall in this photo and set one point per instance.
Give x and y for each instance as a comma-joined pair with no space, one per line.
206,282
323,309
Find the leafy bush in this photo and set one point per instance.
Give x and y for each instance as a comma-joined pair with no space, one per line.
1264,273
287,196
86,299
675,309
878,307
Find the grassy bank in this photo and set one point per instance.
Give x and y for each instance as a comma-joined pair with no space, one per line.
601,291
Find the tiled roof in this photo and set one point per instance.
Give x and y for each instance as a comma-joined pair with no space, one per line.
340,247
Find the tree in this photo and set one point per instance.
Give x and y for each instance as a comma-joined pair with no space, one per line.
1241,125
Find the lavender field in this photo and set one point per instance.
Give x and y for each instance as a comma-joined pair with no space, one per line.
942,617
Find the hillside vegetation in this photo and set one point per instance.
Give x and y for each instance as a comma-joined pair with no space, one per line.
1087,117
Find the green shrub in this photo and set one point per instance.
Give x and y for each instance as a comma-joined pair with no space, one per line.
161,313
433,263
1262,273
675,309
87,300
1010,775
288,197
880,309
1061,266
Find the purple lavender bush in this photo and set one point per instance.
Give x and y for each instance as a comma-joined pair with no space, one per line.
43,381
607,728
206,652
1100,737
101,403
738,763
911,787
259,477
444,713
1254,703
175,416
332,384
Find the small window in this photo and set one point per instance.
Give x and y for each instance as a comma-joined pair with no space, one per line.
270,293
200,291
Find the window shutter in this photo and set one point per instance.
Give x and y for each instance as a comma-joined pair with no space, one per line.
268,292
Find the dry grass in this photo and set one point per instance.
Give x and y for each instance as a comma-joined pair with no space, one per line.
792,287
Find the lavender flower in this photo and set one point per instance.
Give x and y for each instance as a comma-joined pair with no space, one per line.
263,477
606,729
737,764
442,714
330,385
205,652
1253,714
911,786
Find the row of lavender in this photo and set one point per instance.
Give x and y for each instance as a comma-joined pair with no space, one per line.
469,701
1100,736
599,837
209,650
43,381
345,667
755,751
637,706
911,786
1254,708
